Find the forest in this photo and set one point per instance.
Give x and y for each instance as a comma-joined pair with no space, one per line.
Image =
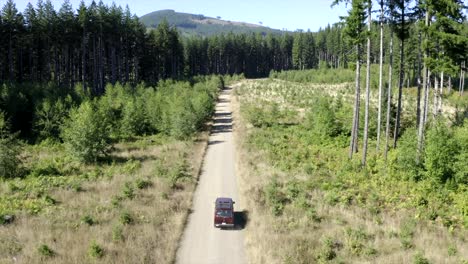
372,110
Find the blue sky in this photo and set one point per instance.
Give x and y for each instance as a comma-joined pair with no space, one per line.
280,14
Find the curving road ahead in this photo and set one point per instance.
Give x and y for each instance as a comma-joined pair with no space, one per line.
201,242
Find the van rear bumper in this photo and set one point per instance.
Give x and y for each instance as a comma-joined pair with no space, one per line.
224,225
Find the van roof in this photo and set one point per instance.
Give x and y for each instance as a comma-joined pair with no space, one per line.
223,202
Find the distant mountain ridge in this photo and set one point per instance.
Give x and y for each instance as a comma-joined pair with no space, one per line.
192,24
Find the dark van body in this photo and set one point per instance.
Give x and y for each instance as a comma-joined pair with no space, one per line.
224,212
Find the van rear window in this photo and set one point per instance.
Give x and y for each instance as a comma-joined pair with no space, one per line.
224,213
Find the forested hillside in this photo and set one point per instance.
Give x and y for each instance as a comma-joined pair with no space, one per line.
200,25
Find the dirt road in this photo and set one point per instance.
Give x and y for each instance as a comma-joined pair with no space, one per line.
201,242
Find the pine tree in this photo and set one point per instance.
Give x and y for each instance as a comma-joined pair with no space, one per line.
355,32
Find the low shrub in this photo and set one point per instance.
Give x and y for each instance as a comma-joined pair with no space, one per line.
128,191
45,251
95,250
87,219
142,184
117,233
420,259
126,218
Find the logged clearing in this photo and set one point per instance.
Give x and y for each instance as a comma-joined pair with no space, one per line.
309,203
131,209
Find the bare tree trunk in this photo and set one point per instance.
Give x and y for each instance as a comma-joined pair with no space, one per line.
441,89
463,82
426,109
20,68
355,129
83,64
95,68
379,118
366,113
449,84
11,65
436,96
389,97
113,69
400,83
418,100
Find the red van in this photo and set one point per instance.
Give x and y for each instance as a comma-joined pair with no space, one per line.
224,212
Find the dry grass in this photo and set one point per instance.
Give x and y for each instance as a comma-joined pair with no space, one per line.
157,212
329,233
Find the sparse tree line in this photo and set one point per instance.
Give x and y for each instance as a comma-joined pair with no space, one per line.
437,35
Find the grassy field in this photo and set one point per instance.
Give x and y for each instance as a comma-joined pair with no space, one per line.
128,208
309,203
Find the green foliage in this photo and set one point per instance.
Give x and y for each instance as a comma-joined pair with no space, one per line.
420,259
6,219
183,119
45,251
128,191
356,240
86,133
407,232
460,165
325,76
439,152
49,117
133,121
275,197
178,172
142,184
452,250
87,219
10,149
321,119
404,162
263,116
326,252
126,218
117,233
95,250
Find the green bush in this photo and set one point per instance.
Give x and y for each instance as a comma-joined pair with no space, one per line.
126,218
183,118
87,219
326,252
404,162
134,122
460,165
49,117
356,240
95,250
420,259
45,251
321,119
128,191
275,198
142,184
439,152
86,133
262,114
